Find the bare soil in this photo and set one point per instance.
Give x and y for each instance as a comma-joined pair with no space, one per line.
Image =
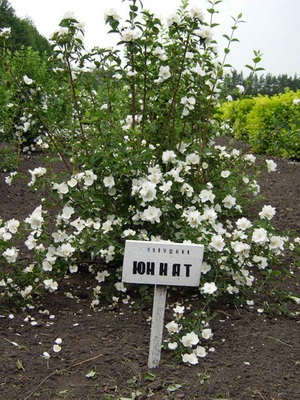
257,354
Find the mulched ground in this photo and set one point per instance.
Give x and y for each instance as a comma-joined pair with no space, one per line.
257,354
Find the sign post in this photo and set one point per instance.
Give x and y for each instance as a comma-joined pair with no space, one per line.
157,325
161,264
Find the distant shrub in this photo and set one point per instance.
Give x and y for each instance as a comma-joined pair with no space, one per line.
270,124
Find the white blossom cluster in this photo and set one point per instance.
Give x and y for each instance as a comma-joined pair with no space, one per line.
190,345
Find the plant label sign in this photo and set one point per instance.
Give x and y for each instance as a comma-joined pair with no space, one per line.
161,264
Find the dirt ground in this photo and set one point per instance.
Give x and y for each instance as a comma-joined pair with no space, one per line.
257,354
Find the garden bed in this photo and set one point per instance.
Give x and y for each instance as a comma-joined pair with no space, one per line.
256,352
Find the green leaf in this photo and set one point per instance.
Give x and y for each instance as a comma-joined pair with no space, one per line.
249,67
174,387
150,377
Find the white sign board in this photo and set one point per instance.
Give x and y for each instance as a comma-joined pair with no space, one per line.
162,263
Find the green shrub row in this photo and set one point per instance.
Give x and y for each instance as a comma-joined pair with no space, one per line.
271,125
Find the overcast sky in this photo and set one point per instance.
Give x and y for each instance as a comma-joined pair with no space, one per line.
272,26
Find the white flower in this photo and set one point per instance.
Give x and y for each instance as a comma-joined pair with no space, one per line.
173,19
160,53
225,174
164,73
200,351
73,268
165,187
148,191
12,225
109,181
47,266
46,355
188,103
209,214
67,212
31,242
5,32
35,219
178,310
198,70
207,333
205,33
192,158
11,254
173,327
168,156
4,234
56,348
250,158
128,232
267,212
187,189
240,89
111,13
36,173
243,223
205,267
229,201
72,182
151,214
107,226
196,12
209,288
271,165
101,276
26,292
58,341
92,374
65,250
27,80
194,218
172,346
190,358
241,248
131,34
189,55
217,242
276,243
62,188
120,287
295,101
50,284
206,195
259,236
89,177
79,224
8,179
262,261
190,339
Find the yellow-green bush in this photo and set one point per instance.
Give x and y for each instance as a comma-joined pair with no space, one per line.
235,114
270,124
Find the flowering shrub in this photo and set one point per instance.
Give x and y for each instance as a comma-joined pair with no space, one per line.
137,143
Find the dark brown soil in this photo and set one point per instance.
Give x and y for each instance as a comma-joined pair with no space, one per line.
257,354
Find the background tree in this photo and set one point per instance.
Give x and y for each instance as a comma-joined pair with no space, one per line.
23,31
264,84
